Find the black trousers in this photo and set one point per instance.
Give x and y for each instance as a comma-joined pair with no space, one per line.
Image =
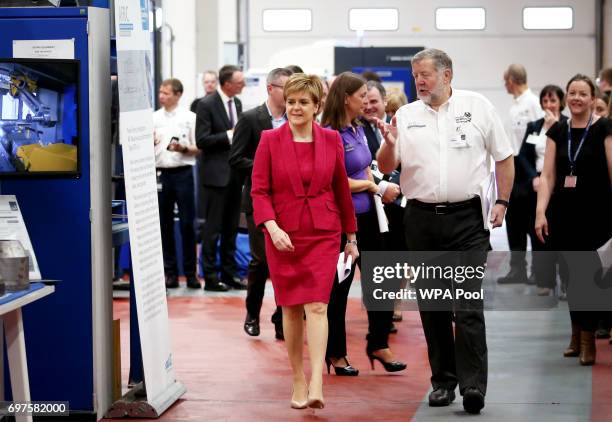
258,273
368,239
520,223
221,212
461,358
177,188
563,245
394,239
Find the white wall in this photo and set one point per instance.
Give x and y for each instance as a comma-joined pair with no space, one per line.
200,28
480,57
181,17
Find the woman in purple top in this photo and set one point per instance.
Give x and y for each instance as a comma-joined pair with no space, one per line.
345,103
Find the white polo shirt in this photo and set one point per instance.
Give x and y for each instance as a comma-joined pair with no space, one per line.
179,123
446,154
524,109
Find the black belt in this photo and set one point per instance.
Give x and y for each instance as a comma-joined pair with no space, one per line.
174,169
446,207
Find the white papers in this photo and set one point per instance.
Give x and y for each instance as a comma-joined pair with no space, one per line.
12,227
488,196
344,268
383,223
47,49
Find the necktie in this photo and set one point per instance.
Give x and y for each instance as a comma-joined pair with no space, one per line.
231,113
378,134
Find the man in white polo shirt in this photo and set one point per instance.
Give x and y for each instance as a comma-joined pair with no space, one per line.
525,108
445,143
175,156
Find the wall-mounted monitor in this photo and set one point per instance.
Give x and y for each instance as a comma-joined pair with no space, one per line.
39,118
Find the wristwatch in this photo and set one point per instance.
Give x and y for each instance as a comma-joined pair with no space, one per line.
354,242
502,202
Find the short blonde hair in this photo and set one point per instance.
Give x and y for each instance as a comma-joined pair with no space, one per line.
395,100
300,82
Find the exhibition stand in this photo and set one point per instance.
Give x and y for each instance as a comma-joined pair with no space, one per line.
67,210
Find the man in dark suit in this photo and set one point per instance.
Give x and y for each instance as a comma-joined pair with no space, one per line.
209,82
388,184
217,115
269,115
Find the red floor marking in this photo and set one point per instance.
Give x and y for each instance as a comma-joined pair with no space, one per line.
601,409
232,377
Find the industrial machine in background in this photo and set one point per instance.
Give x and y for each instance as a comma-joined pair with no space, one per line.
38,118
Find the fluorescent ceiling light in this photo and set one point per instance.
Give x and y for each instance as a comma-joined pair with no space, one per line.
460,18
287,20
373,19
548,18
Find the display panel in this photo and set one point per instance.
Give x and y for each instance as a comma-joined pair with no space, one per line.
39,118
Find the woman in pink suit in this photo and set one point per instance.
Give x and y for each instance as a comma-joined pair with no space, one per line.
301,196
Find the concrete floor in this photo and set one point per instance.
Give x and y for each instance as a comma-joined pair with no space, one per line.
232,377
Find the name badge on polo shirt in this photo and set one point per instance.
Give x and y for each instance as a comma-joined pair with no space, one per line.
458,140
348,147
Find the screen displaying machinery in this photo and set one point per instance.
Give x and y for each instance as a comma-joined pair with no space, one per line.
39,117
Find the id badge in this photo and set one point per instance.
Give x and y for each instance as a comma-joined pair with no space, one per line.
534,139
458,142
570,181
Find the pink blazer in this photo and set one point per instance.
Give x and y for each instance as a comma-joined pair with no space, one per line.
278,193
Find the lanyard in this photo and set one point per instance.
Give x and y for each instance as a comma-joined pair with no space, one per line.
572,160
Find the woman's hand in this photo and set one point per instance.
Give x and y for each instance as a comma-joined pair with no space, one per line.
373,188
281,240
541,226
351,249
549,119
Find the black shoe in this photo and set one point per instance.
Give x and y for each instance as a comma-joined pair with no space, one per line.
345,371
251,326
214,285
441,397
515,276
172,282
193,283
278,332
531,280
235,283
393,366
473,400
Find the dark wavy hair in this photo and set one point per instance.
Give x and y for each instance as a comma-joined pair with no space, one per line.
334,114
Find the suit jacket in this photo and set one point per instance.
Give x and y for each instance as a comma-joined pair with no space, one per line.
246,138
525,162
278,192
373,142
212,123
374,145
